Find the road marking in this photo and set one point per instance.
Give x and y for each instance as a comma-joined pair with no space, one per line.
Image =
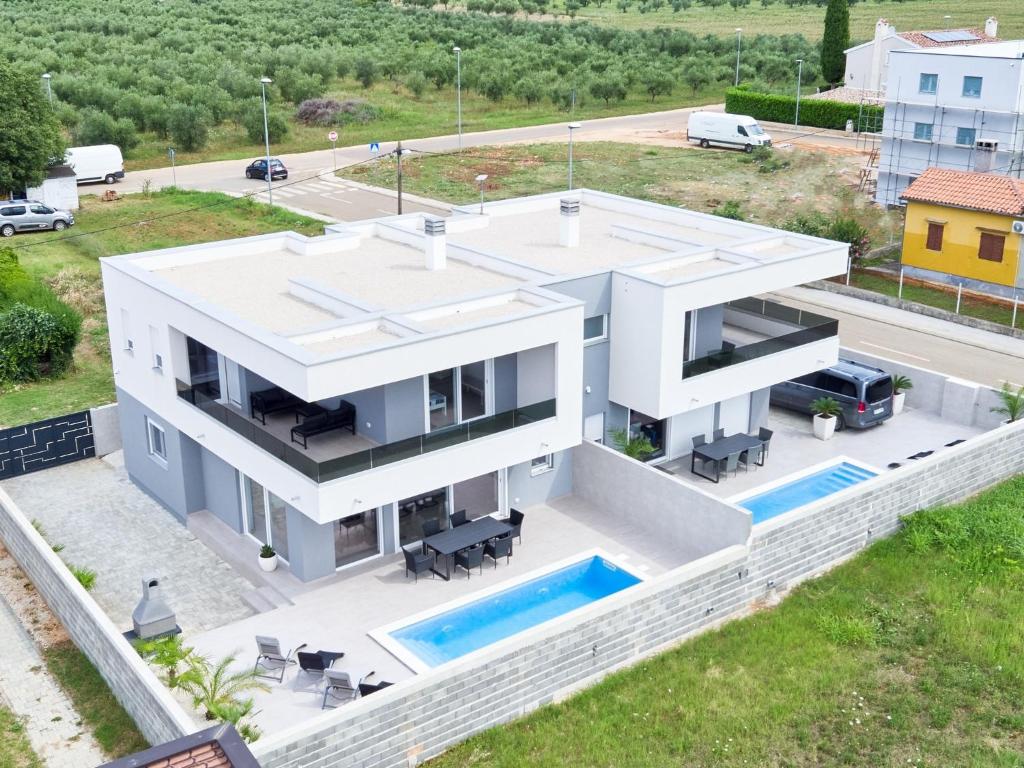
895,351
319,185
339,199
387,213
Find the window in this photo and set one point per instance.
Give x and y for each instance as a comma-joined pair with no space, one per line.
929,83
542,464
595,328
972,87
934,242
40,209
157,442
990,247
154,346
126,331
923,131
741,130
14,210
965,137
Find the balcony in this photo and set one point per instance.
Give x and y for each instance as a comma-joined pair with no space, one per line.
343,455
756,328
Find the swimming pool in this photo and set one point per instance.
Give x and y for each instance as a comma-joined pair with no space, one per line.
804,490
469,627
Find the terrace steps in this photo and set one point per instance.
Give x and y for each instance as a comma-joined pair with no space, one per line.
265,598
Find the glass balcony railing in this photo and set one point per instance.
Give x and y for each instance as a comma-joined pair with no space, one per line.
330,469
808,327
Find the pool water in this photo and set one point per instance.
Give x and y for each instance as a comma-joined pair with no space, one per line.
477,624
804,490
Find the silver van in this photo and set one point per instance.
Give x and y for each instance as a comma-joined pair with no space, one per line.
31,216
864,393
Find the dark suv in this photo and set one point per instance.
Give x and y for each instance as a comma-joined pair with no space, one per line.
257,169
864,393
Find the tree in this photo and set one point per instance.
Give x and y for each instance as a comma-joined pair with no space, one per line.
30,138
530,90
95,127
696,75
835,40
252,121
607,87
366,71
657,82
188,126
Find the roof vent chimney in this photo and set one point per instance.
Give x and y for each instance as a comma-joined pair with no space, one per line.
985,155
569,227
435,247
152,617
991,27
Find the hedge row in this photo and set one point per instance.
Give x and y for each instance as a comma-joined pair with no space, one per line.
816,113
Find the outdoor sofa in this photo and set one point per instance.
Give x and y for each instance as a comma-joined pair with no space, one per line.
342,417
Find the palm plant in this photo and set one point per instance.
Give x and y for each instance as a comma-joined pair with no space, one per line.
167,653
637,447
901,383
237,712
213,687
825,406
1013,403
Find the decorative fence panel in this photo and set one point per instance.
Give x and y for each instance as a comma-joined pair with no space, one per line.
44,444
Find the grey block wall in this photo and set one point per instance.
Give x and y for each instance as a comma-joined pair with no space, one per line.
418,719
133,684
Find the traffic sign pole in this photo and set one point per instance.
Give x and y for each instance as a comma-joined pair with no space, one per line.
333,138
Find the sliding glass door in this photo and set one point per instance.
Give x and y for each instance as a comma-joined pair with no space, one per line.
458,395
356,538
417,510
266,516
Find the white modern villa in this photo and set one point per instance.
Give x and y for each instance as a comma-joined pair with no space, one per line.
329,395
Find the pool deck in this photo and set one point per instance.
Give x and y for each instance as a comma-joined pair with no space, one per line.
794,448
337,613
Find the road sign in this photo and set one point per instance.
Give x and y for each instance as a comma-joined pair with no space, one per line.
332,136
375,146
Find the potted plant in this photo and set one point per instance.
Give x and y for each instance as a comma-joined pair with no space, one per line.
900,385
1013,403
825,411
268,558
637,447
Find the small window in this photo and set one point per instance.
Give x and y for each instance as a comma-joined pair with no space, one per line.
965,136
929,83
879,390
14,210
923,131
595,328
126,331
542,464
157,441
741,130
158,361
40,209
935,231
972,87
990,247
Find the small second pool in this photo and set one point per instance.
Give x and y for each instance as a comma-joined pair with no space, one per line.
495,617
804,490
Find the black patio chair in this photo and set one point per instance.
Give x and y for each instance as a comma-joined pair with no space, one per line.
271,662
365,689
459,518
468,559
765,436
431,527
500,546
314,664
418,562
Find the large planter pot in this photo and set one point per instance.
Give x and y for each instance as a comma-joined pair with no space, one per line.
897,403
268,564
824,427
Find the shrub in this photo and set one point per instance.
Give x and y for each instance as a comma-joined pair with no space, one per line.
33,344
366,71
848,230
416,83
767,160
813,112
96,127
730,209
189,126
252,121
85,576
333,112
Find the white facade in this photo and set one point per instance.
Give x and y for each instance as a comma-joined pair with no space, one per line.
957,108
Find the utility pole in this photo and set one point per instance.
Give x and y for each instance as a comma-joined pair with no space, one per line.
799,82
399,178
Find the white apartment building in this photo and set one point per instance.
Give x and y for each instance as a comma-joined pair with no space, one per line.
328,395
957,108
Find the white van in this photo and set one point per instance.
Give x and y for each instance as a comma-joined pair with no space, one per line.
720,128
102,162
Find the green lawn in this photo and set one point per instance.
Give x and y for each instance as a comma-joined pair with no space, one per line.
405,116
809,20
699,179
69,261
935,297
15,750
101,713
910,654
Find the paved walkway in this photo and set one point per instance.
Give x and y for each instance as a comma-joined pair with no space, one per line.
28,689
106,523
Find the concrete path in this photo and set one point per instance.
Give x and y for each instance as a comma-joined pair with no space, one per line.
27,688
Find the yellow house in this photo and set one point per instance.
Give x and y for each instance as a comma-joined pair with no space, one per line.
965,227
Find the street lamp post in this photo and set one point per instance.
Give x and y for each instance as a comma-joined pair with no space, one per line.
264,82
799,78
458,89
739,34
49,91
572,127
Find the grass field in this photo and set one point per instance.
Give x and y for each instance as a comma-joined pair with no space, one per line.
809,20
908,655
69,262
404,116
106,719
699,179
15,750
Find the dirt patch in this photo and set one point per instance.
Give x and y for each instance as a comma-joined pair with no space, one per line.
28,605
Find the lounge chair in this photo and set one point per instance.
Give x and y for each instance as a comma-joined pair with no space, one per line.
514,519
342,417
459,518
271,400
499,547
365,689
314,664
271,659
765,436
468,559
339,685
418,562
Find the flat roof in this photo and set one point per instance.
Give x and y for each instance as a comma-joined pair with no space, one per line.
1004,49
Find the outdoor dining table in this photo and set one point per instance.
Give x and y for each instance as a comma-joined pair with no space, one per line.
447,543
719,449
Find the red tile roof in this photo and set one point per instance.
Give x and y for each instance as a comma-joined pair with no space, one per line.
968,189
922,40
216,747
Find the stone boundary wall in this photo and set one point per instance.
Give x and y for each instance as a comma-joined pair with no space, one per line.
132,682
106,429
418,719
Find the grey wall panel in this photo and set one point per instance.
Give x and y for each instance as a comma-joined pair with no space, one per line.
595,375
310,546
709,329
405,408
504,383
370,409
525,489
220,487
759,408
594,291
